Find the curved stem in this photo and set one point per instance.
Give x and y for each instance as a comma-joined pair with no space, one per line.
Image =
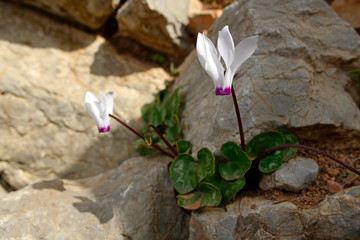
162,138
241,131
273,149
157,147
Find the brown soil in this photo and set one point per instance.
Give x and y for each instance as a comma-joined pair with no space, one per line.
214,4
332,177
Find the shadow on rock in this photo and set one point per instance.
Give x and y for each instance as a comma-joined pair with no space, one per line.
27,26
106,63
51,184
103,212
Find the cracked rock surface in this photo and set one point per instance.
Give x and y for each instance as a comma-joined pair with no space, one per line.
297,77
90,13
336,217
45,70
133,201
158,24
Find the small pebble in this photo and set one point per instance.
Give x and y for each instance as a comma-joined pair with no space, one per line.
307,199
311,188
334,187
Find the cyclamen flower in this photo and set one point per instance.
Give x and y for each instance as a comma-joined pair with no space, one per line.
233,57
100,111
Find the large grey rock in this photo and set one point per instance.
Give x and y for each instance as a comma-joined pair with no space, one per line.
45,70
336,217
294,175
133,201
90,13
297,77
158,24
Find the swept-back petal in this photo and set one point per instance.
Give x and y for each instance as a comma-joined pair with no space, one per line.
209,59
226,47
243,51
109,103
200,49
92,107
90,97
106,106
102,105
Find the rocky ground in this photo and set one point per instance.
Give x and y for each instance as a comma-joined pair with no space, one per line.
67,181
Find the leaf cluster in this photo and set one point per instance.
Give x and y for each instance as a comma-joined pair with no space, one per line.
205,182
163,114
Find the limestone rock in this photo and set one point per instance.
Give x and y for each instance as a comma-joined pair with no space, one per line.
297,77
90,13
158,24
336,217
133,201
294,175
45,70
3,192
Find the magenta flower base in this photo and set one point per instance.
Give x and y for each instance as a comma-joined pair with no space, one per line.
104,129
221,91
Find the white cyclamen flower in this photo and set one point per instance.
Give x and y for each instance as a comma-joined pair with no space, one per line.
100,111
233,57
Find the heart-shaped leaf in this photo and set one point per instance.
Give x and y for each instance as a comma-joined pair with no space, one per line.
205,195
289,139
239,162
263,141
183,146
211,195
190,201
228,189
186,174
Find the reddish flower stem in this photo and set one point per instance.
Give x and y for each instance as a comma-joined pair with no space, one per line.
162,138
273,149
241,131
157,147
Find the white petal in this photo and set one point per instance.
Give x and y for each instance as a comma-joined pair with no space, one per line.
243,51
200,49
103,105
92,107
90,97
226,47
109,103
208,57
229,75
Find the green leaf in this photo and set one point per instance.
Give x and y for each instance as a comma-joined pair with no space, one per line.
228,189
171,104
259,143
157,114
142,148
239,162
146,111
206,163
183,173
190,201
271,162
211,195
183,146
289,139
205,195
263,141
355,73
186,174
172,132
